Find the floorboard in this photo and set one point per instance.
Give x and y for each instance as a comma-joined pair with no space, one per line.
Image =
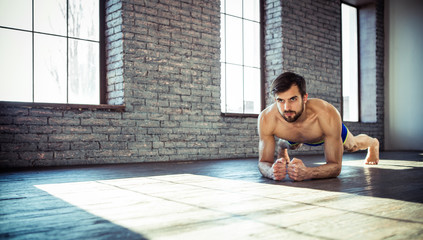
224,199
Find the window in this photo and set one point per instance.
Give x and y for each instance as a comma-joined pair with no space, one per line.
350,63
240,56
50,51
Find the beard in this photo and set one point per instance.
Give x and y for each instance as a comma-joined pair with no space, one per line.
292,118
295,116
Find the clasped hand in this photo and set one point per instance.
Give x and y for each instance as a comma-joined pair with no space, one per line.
295,169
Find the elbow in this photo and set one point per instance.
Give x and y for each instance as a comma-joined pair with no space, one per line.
264,168
261,167
337,170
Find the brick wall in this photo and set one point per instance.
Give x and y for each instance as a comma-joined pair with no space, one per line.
114,53
163,67
273,43
311,47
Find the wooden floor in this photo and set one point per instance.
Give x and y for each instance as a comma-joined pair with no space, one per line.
214,200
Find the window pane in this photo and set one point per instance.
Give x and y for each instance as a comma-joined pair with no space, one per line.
234,7
50,16
240,56
49,69
83,19
16,14
223,87
84,72
252,90
349,63
234,88
233,40
251,44
252,10
15,65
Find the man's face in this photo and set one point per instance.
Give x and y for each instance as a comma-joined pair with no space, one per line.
290,103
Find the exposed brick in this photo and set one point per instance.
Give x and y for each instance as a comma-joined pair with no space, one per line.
11,111
13,129
53,146
110,130
77,129
18,147
162,63
85,146
30,156
30,138
95,122
44,112
10,159
77,137
29,120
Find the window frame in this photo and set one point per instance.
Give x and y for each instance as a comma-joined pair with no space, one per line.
102,70
261,65
358,66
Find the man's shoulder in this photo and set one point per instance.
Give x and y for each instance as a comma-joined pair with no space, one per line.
266,118
325,112
318,102
323,109
320,105
267,113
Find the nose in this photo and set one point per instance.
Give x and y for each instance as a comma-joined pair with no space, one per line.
287,106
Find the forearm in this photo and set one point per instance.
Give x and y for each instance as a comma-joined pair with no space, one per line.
265,169
328,170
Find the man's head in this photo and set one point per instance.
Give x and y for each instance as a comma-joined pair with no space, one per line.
285,81
289,92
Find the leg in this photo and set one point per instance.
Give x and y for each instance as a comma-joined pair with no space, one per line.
362,142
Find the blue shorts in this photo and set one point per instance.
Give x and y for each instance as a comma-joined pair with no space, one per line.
344,135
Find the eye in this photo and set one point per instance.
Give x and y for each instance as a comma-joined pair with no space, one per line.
293,99
280,100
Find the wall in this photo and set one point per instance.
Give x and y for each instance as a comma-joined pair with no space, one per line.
371,20
368,86
404,72
311,46
163,65
163,68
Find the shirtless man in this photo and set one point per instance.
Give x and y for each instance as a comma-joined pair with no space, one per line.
295,119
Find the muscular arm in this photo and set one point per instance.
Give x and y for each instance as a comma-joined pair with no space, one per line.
265,163
267,167
332,127
333,154
266,147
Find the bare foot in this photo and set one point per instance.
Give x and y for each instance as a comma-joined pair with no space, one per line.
372,157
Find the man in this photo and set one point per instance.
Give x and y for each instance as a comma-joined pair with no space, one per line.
295,119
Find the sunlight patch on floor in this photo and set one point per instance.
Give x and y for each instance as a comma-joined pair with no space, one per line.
186,206
384,164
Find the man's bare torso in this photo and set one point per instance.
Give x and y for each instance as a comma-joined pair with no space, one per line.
309,128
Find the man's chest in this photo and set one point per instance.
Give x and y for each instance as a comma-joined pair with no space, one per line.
305,133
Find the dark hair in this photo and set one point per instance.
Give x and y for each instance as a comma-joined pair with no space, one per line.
284,82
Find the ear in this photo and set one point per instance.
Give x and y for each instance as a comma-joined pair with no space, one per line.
305,98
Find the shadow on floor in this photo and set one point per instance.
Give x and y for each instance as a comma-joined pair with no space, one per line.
29,213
